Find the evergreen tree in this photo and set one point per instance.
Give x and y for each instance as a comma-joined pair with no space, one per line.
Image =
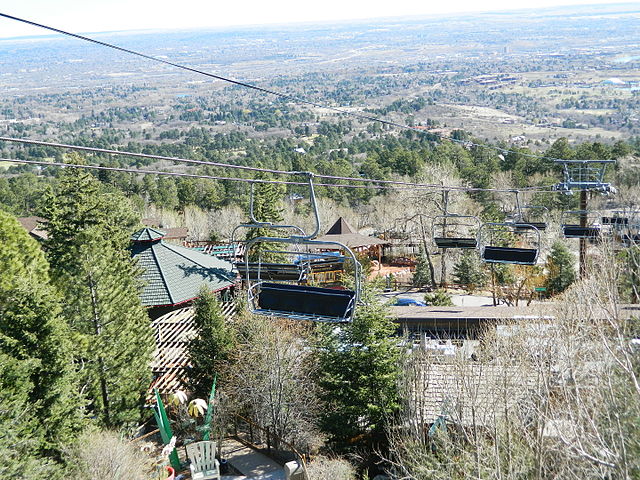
422,275
33,333
359,367
88,249
266,208
468,271
210,349
22,432
439,298
561,267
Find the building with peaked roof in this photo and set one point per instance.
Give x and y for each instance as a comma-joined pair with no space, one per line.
172,274
34,225
344,233
341,231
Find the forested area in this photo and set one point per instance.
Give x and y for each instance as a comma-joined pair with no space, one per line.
386,157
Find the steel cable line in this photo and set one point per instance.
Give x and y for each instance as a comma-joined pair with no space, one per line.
232,179
390,183
276,93
196,175
141,155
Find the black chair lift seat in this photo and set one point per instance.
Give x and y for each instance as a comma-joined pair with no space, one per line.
576,231
460,242
521,256
630,239
271,271
615,220
306,302
520,226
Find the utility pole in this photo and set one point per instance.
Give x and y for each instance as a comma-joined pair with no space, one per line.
443,254
583,239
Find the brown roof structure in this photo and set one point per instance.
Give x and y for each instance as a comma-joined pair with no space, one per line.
344,233
175,233
33,226
468,321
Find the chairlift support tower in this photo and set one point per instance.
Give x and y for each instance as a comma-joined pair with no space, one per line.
584,176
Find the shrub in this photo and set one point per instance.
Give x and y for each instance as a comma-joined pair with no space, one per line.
104,454
323,468
439,298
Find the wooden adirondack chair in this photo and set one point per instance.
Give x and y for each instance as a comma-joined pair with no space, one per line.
204,465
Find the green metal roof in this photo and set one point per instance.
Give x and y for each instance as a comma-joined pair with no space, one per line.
147,235
173,274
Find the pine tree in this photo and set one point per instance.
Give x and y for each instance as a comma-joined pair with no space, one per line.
422,274
210,349
33,333
359,367
22,432
561,267
468,271
88,249
266,208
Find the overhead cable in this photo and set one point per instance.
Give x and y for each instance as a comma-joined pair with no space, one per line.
391,183
45,163
292,98
175,174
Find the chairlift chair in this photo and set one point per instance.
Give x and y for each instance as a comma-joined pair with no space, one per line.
283,271
615,221
532,215
495,249
571,229
271,296
625,227
268,270
454,231
527,215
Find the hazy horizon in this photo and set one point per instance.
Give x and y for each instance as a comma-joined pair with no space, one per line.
12,29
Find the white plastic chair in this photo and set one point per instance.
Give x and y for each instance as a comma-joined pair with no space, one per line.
204,465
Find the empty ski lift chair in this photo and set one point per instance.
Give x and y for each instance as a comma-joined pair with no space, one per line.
533,215
631,237
265,270
273,270
297,300
204,465
572,227
526,216
495,245
616,221
625,227
455,231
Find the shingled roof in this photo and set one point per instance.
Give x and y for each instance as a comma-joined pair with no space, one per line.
344,233
173,274
34,225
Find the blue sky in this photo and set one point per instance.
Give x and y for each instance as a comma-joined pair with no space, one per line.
107,15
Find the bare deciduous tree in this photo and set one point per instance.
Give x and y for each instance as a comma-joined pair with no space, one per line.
272,379
548,397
